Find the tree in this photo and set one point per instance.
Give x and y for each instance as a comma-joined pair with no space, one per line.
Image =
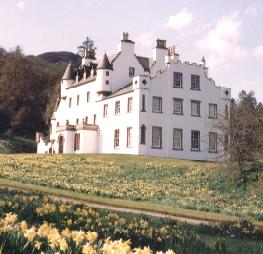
242,132
87,48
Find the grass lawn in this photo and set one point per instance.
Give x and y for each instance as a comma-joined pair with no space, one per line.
199,186
16,145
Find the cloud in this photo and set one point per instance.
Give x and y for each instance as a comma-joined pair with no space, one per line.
252,11
180,21
258,51
222,42
145,39
21,5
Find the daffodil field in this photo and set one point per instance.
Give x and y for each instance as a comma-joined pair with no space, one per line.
33,223
192,185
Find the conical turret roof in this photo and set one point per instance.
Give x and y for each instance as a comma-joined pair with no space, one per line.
69,73
104,63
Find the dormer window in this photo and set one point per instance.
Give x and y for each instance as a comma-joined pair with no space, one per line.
131,72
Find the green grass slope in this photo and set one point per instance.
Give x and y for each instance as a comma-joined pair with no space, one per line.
16,145
199,186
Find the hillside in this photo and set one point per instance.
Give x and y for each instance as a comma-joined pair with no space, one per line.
60,57
16,145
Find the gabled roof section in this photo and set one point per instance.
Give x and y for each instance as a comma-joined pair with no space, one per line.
145,62
69,73
104,63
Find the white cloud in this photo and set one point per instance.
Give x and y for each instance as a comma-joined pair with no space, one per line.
145,39
258,51
21,5
252,11
221,42
180,21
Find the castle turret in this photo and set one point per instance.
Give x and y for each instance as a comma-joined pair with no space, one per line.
67,79
104,73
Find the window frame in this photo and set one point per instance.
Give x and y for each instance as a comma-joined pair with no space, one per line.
160,106
116,138
212,149
88,97
143,103
78,97
193,81
198,108
182,108
181,139
131,72
105,110
129,137
143,135
154,146
70,102
117,107
130,105
77,142
180,79
215,110
194,149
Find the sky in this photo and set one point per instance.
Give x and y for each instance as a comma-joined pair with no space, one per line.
227,33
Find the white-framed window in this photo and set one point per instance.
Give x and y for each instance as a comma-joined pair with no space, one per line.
178,106
195,108
76,141
117,107
178,80
105,110
88,96
177,139
77,100
212,142
195,140
116,138
195,82
129,137
129,109
131,72
212,110
156,137
157,104
69,102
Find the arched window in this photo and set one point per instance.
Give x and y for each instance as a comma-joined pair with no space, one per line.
143,103
143,135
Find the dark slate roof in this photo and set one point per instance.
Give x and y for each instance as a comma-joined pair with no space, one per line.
69,73
145,62
121,91
104,63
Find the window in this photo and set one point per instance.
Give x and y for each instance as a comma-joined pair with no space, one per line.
77,121
195,140
129,137
86,119
156,137
88,96
226,142
157,104
107,82
117,107
195,82
226,111
57,123
131,72
195,108
69,102
177,139
129,105
76,141
107,73
143,135
178,80
212,110
178,106
212,142
143,103
116,138
94,119
105,110
77,100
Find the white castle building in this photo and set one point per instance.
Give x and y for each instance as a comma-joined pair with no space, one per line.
128,104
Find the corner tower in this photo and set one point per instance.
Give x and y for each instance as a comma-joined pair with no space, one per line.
104,76
67,79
